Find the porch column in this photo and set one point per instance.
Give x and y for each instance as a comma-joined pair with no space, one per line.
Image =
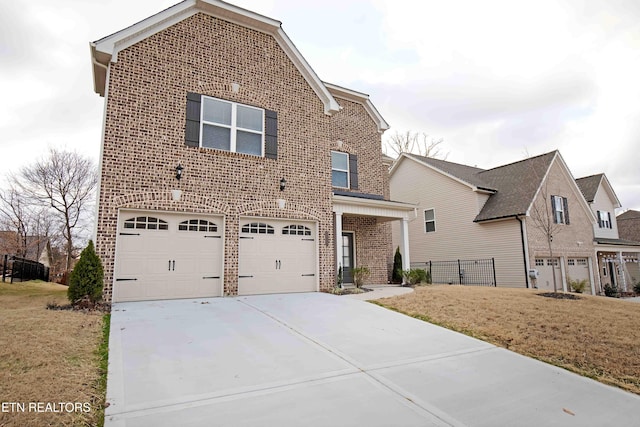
404,238
338,242
622,270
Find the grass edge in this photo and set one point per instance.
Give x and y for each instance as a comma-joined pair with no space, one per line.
103,366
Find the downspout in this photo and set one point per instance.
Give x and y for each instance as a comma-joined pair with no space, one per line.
524,251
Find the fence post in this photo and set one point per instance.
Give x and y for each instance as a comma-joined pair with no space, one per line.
493,264
4,267
430,272
459,273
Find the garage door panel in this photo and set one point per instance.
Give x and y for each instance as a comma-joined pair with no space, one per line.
284,261
170,259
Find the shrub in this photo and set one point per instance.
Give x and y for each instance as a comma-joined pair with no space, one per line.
339,279
578,286
636,288
611,291
87,276
396,274
414,276
360,274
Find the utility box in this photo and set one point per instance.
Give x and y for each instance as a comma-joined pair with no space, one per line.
533,273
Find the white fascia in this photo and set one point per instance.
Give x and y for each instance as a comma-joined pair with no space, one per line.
361,98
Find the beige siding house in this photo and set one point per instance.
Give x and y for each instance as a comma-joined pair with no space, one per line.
512,214
228,167
617,255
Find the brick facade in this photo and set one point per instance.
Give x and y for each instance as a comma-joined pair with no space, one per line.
144,141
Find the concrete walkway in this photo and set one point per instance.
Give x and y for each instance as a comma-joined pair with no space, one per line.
380,291
321,360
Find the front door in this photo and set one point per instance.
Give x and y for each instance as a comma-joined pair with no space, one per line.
347,257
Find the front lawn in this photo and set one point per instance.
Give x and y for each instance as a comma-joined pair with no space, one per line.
597,337
49,361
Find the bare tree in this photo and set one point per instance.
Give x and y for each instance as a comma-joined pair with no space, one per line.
543,218
64,182
15,216
415,142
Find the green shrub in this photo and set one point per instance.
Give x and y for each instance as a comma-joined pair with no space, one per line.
578,286
360,274
611,291
87,277
414,276
396,274
636,288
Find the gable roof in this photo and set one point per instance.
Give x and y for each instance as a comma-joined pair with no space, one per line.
361,98
105,50
629,225
512,187
589,186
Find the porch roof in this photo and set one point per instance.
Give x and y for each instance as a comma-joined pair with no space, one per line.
366,205
616,245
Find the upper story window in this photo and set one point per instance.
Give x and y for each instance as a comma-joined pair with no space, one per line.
604,219
429,220
560,209
232,127
225,125
339,169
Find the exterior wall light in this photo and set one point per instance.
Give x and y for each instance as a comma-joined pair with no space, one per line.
283,183
179,170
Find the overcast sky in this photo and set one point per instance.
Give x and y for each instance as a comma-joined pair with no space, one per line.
498,80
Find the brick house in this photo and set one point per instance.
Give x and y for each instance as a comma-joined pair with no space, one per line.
468,213
228,167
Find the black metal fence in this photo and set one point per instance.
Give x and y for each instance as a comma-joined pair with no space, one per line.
20,270
477,272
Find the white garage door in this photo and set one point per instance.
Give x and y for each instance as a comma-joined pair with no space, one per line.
545,267
578,269
276,256
164,256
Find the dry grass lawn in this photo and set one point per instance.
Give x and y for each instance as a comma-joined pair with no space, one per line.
597,337
47,356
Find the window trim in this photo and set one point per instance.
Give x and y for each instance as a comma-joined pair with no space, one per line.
347,170
233,128
424,216
604,220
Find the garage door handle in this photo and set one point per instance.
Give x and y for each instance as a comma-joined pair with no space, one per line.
211,277
124,280
212,237
244,277
308,275
129,234
174,265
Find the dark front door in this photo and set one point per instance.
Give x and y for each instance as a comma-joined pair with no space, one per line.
347,257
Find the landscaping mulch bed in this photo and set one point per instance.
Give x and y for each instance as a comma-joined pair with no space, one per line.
559,295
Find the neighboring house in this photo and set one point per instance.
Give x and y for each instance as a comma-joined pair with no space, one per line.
228,167
35,248
617,257
468,213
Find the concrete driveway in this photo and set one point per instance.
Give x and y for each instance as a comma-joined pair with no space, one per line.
322,360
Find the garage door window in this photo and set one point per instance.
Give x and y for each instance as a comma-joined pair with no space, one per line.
198,225
296,230
257,228
146,223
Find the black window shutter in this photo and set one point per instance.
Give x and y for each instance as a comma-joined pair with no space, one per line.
610,223
353,171
599,220
271,134
566,210
192,128
553,210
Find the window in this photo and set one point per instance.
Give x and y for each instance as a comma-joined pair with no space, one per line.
257,228
296,230
339,169
571,261
429,220
552,262
146,223
232,127
197,225
539,262
560,209
604,219
582,262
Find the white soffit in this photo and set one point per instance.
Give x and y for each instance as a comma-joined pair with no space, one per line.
106,50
